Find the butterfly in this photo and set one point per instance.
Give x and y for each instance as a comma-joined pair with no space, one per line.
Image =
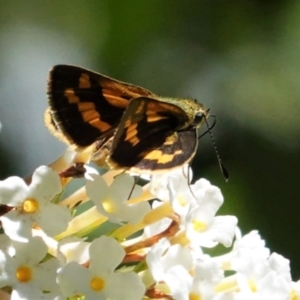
120,125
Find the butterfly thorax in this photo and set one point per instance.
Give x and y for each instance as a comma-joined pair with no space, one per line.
193,110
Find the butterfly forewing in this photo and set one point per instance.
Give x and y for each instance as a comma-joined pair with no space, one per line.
85,105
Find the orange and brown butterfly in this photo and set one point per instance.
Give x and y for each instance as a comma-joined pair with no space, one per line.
123,126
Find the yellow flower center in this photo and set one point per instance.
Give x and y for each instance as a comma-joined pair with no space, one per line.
193,296
24,274
97,284
228,284
181,200
252,285
199,226
294,295
30,205
108,205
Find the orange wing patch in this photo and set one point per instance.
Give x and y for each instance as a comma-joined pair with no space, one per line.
84,81
72,98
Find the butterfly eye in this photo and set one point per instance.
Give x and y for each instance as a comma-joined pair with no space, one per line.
198,118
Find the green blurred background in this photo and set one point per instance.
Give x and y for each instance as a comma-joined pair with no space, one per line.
239,58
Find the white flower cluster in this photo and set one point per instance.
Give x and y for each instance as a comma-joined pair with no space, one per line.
116,246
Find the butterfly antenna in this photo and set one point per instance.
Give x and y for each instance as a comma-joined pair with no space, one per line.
209,128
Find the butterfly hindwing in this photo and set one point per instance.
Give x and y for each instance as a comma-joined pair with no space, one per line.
144,127
84,105
177,150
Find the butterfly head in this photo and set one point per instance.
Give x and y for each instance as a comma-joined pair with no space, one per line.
197,113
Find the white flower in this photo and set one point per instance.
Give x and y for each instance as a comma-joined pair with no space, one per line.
249,255
280,265
181,196
269,278
175,267
201,224
100,281
162,257
250,245
200,284
32,205
111,201
259,274
271,286
178,179
186,279
24,272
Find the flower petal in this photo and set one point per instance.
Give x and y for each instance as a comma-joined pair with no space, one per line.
73,279
17,226
45,184
110,249
97,189
13,191
32,252
45,218
125,287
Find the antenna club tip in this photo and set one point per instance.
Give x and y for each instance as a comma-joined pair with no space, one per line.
224,172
